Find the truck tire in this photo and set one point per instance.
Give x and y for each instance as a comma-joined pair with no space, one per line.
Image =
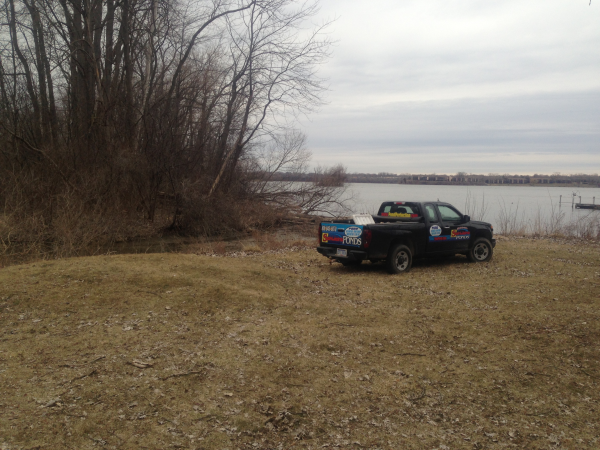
399,260
481,251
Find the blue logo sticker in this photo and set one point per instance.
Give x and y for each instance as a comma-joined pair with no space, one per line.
353,232
435,230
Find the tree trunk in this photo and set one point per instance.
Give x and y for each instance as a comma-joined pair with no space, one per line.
41,62
28,79
128,69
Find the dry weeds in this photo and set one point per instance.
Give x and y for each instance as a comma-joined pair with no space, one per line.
283,350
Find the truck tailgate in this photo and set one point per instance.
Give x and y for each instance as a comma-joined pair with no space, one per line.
341,235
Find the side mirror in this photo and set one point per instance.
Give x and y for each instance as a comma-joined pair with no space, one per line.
466,218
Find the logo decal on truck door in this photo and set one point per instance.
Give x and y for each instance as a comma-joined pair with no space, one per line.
435,230
460,233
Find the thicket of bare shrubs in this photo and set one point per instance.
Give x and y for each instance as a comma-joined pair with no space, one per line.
512,221
556,223
126,118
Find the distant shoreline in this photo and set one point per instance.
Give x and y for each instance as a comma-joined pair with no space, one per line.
460,179
464,179
441,183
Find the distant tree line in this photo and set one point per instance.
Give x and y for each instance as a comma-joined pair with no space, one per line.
170,111
458,178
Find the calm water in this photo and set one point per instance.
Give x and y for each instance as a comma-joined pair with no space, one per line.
489,203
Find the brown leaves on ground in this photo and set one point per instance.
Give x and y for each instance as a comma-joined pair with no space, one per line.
284,350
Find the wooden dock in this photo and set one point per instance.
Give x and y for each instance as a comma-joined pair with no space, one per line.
586,206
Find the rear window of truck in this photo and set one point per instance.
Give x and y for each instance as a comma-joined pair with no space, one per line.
400,210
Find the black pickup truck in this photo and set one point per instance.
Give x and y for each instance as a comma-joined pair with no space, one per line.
402,231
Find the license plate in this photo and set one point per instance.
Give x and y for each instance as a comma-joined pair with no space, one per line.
341,252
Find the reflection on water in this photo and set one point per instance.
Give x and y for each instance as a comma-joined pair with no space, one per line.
488,203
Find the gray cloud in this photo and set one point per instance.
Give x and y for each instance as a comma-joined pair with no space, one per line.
564,126
506,83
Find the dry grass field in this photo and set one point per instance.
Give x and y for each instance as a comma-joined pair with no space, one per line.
281,350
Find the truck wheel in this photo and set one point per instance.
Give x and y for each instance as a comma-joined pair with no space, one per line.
351,262
399,260
481,251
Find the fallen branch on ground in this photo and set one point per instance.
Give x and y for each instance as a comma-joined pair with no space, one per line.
176,375
85,375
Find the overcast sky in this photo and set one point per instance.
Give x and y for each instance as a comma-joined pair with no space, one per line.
432,86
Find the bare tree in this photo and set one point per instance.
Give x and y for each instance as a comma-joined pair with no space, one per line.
324,194
334,176
151,108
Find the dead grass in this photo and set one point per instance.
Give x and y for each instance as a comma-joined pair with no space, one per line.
283,350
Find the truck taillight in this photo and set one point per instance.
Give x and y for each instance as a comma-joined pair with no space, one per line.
367,235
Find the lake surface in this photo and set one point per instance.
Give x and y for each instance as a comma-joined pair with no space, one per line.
524,204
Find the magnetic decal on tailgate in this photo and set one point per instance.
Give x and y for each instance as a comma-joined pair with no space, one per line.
342,234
